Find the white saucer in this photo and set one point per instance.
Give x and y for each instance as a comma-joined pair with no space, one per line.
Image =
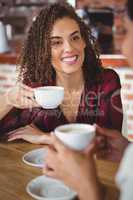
35,157
46,188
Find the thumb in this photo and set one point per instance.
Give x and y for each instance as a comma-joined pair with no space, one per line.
91,148
58,144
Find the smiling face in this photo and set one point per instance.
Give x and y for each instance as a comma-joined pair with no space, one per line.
67,46
127,47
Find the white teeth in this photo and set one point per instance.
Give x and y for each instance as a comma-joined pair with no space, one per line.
70,59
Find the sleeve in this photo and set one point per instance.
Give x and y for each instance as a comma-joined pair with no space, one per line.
110,102
16,118
124,177
116,110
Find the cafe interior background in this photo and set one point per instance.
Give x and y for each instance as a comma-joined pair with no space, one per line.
105,17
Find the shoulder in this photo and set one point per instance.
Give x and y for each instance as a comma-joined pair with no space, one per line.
107,81
109,78
109,75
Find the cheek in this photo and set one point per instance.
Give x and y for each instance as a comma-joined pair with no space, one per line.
127,49
55,60
54,56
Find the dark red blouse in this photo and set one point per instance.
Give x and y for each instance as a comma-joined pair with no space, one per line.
100,103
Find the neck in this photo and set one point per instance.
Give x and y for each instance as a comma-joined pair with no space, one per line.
70,81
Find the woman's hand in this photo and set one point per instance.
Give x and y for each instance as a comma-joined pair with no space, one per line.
30,134
21,96
75,168
114,145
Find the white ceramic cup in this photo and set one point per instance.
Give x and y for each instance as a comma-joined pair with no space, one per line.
49,97
76,136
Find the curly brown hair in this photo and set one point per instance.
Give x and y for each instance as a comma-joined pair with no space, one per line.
35,60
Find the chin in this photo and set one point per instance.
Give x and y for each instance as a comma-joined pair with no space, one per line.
70,71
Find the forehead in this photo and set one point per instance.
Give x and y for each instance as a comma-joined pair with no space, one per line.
64,26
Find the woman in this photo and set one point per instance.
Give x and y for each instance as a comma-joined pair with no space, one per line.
80,173
60,50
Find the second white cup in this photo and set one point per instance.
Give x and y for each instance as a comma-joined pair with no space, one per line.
76,136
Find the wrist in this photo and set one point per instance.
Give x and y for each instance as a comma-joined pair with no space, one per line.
7,99
90,189
4,100
5,108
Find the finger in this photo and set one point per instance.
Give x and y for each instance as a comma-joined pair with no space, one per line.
45,139
51,153
25,91
59,146
27,103
15,137
51,158
91,149
32,102
27,94
107,132
26,87
15,131
49,172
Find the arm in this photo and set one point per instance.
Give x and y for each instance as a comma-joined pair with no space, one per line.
77,171
115,144
116,110
19,96
89,189
29,133
5,107
17,124
124,177
14,103
110,101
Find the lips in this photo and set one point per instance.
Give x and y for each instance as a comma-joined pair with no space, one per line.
70,59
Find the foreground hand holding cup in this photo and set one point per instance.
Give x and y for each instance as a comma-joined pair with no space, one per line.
71,165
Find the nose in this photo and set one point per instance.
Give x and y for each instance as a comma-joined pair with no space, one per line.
68,46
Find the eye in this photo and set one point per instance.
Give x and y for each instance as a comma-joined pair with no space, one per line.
76,37
56,43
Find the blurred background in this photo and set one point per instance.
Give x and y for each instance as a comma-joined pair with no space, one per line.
104,17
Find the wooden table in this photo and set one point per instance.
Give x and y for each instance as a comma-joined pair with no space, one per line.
14,174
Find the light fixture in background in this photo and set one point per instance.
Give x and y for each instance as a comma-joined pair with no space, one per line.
4,8
4,47
72,2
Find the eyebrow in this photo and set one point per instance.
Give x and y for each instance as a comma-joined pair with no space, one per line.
58,37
